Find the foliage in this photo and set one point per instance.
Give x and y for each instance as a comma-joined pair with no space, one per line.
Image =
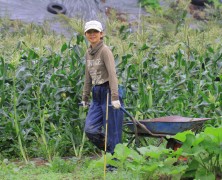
150,163
40,95
154,4
204,151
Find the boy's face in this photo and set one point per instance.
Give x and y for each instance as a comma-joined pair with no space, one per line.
93,36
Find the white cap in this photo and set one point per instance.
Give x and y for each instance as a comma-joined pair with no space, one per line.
93,25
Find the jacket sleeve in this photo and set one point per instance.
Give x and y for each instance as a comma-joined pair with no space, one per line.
108,59
87,85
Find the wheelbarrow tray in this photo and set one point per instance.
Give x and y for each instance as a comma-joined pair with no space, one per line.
169,125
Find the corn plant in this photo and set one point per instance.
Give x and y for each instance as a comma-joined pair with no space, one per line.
46,96
15,116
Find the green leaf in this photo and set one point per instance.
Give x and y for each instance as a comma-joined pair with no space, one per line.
192,168
136,157
100,162
64,47
144,47
32,54
182,136
122,152
216,133
151,167
187,145
80,39
152,151
170,161
204,175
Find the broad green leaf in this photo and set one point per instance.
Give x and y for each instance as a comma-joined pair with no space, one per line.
132,167
215,132
151,151
170,161
187,145
182,136
135,156
122,152
192,167
151,167
100,162
198,140
204,175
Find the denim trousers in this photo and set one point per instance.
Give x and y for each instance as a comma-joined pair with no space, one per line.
96,119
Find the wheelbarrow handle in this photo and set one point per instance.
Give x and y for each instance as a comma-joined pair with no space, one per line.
126,112
136,122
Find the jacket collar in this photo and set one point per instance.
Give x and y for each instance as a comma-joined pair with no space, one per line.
93,51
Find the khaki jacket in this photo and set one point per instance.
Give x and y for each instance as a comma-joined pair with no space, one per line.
100,68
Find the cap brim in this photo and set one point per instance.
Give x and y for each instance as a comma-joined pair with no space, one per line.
95,28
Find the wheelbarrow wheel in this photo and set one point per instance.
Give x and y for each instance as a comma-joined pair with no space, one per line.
173,144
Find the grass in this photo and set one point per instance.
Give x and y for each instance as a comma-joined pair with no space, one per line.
58,169
32,172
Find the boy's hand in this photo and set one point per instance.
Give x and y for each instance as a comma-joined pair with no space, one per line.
116,104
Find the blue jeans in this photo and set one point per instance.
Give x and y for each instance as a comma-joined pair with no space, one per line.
96,120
